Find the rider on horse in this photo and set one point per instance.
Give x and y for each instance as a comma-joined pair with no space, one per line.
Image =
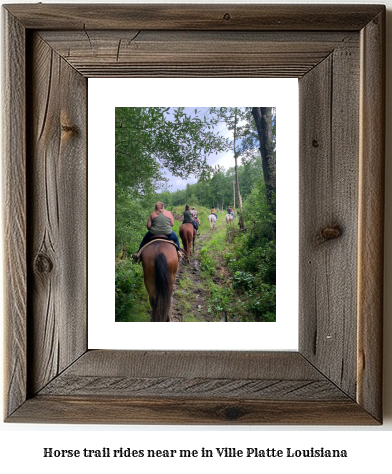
160,222
196,219
188,219
213,212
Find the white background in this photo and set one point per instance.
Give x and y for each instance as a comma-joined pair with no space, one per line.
104,332
21,446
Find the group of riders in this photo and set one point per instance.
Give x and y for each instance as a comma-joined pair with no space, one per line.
161,221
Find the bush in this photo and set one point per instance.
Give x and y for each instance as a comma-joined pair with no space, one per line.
221,299
129,287
252,257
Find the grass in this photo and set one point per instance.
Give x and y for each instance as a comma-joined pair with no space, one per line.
190,319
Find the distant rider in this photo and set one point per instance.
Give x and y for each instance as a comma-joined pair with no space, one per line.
230,211
188,219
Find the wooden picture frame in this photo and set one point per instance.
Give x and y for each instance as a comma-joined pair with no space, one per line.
338,54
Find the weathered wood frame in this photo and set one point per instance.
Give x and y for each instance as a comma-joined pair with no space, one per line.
337,52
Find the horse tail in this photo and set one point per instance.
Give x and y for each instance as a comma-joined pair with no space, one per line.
162,285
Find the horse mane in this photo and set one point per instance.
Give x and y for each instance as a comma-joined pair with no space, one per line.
162,285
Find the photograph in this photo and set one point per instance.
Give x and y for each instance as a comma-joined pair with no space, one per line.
195,214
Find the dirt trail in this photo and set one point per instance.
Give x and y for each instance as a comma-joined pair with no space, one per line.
190,300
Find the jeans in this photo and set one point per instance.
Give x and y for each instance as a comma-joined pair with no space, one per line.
148,236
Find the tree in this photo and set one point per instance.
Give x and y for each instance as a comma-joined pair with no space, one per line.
149,139
263,121
232,116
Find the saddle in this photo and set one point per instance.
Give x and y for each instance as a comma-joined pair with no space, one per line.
156,238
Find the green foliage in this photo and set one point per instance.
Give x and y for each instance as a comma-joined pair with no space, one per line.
207,263
190,318
215,189
252,259
130,293
131,214
185,284
262,302
243,279
221,299
147,139
261,297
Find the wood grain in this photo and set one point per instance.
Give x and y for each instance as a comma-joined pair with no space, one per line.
328,216
371,216
126,53
102,409
194,17
179,374
193,387
58,210
14,207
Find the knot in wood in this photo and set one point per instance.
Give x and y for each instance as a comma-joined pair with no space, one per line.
328,233
227,16
43,264
68,128
315,143
232,413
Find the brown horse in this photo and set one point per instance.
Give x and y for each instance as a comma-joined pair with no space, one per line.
160,264
188,235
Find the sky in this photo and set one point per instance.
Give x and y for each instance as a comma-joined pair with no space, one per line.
225,159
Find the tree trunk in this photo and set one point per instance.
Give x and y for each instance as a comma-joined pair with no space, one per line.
241,219
263,121
236,165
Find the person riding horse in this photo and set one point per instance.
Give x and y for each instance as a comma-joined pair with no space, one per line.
188,219
230,211
195,218
160,222
213,212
